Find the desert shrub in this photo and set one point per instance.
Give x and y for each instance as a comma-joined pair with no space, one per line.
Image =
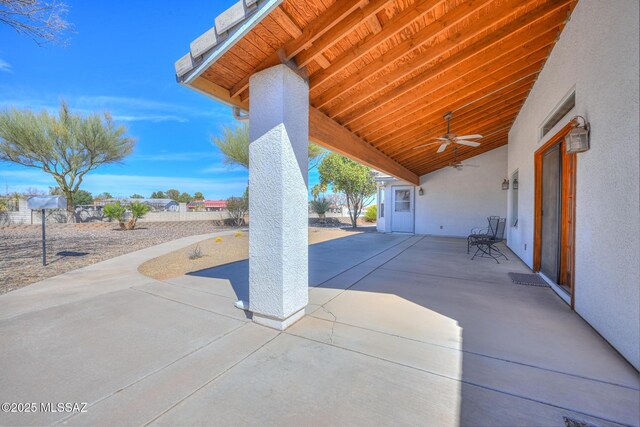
116,212
195,253
218,239
320,206
238,208
371,214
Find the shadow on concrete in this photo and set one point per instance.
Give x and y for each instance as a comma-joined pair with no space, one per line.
506,345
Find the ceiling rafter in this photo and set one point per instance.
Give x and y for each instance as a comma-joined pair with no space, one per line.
384,72
417,41
510,40
452,100
311,32
389,31
340,30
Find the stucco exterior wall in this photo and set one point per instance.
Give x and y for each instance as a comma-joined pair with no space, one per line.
597,55
457,199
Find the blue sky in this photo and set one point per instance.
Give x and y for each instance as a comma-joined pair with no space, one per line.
120,59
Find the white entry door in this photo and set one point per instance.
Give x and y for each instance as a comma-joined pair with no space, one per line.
402,209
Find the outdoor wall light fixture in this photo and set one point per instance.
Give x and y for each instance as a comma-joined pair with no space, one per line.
505,184
577,140
421,192
515,184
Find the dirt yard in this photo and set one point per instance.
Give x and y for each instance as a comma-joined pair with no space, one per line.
73,246
221,251
77,245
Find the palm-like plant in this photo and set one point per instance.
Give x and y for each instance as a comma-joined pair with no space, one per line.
116,212
138,210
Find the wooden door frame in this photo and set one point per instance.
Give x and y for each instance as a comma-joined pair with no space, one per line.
568,209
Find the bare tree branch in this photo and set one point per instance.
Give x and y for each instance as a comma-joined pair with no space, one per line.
42,21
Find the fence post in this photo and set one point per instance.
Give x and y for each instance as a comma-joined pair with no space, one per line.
183,211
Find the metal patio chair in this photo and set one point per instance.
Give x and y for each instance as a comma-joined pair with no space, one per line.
483,233
487,247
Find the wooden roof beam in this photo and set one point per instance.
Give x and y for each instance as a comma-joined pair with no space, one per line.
453,100
465,124
286,22
431,94
329,134
462,123
312,31
340,30
420,161
498,120
507,9
415,42
390,30
509,41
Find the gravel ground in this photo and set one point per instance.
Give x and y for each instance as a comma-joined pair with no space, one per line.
73,246
77,245
214,252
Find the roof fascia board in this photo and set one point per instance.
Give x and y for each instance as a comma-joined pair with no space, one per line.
263,10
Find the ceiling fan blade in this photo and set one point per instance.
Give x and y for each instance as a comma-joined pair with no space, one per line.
442,139
443,147
426,145
468,143
474,136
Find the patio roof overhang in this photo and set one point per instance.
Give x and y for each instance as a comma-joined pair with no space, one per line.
382,73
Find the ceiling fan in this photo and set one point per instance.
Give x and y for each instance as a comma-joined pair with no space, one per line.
451,138
457,164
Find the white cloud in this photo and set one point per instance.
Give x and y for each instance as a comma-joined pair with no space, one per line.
126,109
5,66
222,169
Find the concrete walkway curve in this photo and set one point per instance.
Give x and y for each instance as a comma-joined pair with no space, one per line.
400,330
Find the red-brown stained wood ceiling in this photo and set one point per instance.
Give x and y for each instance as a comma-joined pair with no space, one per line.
389,70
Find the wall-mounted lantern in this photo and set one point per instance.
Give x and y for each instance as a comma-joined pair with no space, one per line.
515,184
421,192
505,184
577,140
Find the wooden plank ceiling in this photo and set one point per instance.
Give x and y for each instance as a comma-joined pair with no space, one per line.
388,70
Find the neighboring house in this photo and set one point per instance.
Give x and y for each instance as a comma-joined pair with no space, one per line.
517,75
207,205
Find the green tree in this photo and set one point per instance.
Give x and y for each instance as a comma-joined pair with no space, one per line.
238,208
234,144
103,196
185,198
348,177
158,195
198,196
136,196
82,197
173,194
67,147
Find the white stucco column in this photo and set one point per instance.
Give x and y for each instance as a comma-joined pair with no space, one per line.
278,207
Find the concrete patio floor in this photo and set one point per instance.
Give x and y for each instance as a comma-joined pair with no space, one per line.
400,330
